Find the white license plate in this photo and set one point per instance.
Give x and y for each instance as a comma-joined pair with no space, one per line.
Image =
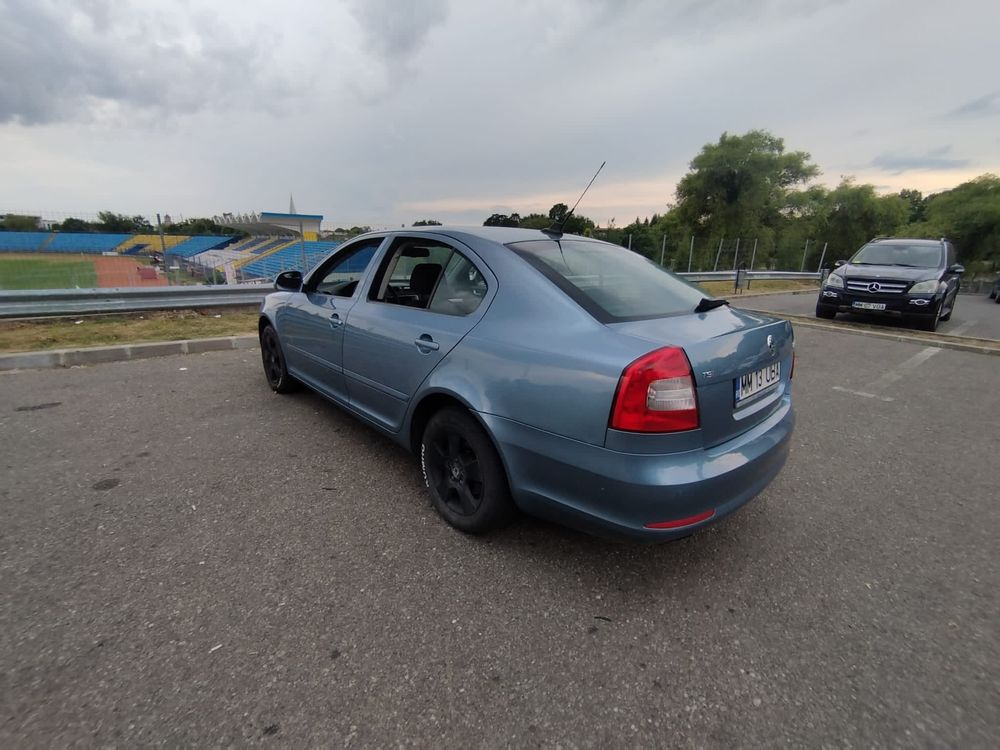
868,305
754,382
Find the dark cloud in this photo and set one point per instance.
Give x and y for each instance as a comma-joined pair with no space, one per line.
984,106
66,61
934,159
395,31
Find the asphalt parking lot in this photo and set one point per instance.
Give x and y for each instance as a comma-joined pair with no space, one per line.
189,559
975,314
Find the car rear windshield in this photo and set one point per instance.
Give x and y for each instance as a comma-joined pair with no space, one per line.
898,254
613,284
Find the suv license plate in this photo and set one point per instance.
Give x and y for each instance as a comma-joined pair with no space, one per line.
869,305
754,382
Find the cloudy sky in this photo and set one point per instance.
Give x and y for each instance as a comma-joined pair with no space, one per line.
382,112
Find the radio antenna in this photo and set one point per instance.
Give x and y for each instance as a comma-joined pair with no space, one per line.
557,225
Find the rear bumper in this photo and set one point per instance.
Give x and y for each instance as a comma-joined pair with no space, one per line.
910,305
617,494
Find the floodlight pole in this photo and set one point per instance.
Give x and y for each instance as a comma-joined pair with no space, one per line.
736,255
663,249
716,266
690,253
163,248
804,251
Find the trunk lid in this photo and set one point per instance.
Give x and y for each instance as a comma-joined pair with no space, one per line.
726,347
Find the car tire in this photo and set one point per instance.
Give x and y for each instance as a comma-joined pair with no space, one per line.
947,315
273,358
464,474
930,323
827,312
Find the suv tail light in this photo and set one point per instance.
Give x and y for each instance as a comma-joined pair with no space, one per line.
656,394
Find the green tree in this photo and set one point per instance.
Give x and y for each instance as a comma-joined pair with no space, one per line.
503,220
427,223
19,223
968,215
855,214
535,221
741,184
75,225
108,221
917,205
202,226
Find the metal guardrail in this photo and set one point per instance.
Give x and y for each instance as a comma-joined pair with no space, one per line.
45,302
751,275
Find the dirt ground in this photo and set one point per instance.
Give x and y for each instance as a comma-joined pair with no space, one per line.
123,271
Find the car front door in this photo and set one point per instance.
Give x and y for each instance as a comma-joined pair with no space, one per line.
311,326
427,294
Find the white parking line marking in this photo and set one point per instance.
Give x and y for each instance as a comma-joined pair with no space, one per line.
863,394
899,371
963,328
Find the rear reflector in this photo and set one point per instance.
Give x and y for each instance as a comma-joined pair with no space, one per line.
656,393
680,522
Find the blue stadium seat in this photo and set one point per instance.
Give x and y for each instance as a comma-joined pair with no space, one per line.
22,242
290,259
74,242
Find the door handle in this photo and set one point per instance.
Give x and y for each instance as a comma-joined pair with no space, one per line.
335,321
426,342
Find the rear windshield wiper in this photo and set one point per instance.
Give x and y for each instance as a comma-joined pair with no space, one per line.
707,304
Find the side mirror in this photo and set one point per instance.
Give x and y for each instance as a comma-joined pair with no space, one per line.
956,268
839,263
288,281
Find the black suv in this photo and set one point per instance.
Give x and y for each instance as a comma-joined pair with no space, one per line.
917,279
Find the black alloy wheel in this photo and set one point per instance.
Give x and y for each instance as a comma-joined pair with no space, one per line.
464,474
274,362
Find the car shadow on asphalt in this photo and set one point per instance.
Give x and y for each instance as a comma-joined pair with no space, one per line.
543,545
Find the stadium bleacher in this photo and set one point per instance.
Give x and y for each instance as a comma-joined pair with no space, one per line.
142,244
23,242
289,259
73,242
194,245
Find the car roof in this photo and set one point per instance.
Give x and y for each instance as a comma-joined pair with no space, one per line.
501,235
907,241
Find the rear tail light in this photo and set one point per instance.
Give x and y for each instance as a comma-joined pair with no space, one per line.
656,393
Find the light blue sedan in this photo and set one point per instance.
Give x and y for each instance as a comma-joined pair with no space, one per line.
563,376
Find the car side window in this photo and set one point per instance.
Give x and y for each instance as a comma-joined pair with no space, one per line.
345,271
461,289
951,255
411,272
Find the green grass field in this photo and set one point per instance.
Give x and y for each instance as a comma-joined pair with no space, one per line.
45,272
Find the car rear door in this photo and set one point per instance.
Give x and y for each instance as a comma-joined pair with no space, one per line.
428,293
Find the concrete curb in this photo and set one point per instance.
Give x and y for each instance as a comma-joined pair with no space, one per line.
96,355
941,341
747,295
